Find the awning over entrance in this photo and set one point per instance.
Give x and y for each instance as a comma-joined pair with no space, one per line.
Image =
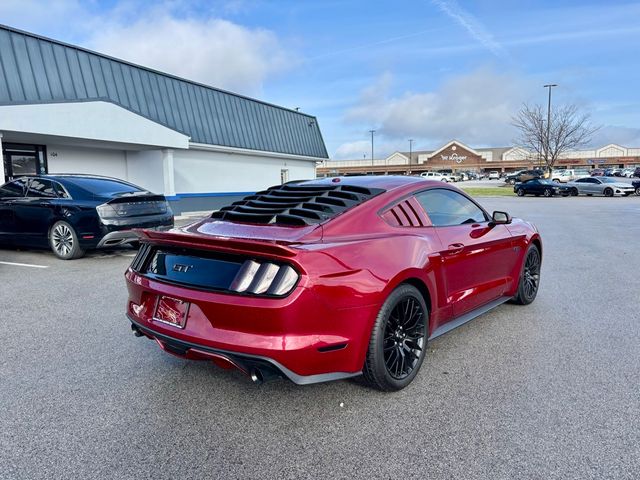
92,121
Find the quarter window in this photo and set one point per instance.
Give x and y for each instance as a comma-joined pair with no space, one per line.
447,208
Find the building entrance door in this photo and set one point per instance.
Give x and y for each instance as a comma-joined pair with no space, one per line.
23,159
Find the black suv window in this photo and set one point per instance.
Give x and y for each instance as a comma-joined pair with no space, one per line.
446,208
13,189
41,187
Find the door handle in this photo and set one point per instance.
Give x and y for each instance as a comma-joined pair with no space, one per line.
455,248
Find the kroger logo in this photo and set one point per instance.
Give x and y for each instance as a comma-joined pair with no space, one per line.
454,157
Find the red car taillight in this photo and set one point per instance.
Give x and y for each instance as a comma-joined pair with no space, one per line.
256,277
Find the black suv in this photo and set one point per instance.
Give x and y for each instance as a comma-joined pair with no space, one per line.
74,213
636,185
523,176
636,172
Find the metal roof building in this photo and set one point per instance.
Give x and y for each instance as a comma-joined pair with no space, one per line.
66,107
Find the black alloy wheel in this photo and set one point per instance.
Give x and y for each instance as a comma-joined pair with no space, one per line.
574,192
638,191
608,192
530,277
520,192
398,341
548,192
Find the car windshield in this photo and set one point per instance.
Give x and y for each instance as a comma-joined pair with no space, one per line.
547,182
105,186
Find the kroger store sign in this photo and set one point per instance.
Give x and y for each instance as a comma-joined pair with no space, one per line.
454,157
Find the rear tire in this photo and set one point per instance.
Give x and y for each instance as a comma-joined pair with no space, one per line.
64,242
529,278
398,342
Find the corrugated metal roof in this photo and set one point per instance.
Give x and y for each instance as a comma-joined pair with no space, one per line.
34,69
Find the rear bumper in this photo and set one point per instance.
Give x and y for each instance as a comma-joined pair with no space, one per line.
113,234
304,336
246,363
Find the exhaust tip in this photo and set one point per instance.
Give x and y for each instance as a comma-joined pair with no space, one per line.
256,376
136,331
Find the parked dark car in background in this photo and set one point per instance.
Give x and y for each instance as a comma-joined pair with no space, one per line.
523,176
74,213
597,172
636,172
636,185
539,186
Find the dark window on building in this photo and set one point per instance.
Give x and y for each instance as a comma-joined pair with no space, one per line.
447,208
23,159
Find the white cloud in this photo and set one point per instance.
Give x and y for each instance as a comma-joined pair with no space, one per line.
475,108
212,51
625,136
168,36
354,150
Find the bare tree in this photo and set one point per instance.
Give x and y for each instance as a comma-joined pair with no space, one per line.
569,129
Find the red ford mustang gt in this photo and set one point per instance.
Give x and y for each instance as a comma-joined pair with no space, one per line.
327,279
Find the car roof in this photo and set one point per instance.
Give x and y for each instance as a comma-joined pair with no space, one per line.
62,176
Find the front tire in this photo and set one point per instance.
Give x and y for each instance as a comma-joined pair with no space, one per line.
608,192
64,242
530,277
574,192
548,193
638,191
398,342
520,192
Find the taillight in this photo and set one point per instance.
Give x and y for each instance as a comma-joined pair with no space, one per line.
264,278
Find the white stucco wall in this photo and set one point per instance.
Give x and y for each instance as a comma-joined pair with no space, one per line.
97,161
144,168
200,171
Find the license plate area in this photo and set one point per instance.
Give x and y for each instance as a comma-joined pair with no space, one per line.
171,311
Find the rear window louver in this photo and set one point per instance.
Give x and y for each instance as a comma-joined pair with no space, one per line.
296,205
407,213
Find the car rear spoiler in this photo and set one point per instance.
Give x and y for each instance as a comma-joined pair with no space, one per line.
220,244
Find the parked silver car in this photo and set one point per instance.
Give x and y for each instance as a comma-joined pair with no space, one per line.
606,186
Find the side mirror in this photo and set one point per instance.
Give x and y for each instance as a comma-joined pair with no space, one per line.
500,218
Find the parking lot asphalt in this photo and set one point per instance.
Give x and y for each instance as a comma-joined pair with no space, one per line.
551,390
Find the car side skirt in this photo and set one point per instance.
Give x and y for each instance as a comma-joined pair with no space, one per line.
467,317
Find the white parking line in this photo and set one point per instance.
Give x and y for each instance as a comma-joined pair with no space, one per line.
23,265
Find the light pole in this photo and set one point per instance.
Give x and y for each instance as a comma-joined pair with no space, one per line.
372,132
410,149
546,150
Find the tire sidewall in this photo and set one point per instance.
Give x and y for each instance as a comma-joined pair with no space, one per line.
75,252
377,341
521,295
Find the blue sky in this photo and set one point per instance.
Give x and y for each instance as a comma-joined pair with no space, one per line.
431,70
